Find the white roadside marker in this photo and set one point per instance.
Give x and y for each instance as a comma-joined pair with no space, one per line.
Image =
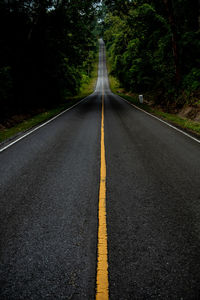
177,129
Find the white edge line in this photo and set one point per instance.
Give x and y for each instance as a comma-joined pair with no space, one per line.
177,129
43,124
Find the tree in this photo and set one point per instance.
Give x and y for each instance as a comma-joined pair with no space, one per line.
154,46
169,9
47,47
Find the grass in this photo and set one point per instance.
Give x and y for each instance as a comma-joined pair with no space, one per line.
86,89
172,118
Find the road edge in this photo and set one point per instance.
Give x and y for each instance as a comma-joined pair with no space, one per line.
159,119
33,129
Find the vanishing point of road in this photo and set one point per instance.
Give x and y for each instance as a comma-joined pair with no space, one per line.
101,202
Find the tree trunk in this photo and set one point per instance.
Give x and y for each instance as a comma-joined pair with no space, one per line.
169,8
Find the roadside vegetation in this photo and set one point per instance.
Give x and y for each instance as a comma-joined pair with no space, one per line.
48,49
47,53
154,48
174,119
87,87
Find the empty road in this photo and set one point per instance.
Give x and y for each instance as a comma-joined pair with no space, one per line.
51,184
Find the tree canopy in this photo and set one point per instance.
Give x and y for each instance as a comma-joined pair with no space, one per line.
154,45
46,46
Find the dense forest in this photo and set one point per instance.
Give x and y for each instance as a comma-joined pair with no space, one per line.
47,49
154,47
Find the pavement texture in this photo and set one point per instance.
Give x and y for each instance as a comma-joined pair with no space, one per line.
49,185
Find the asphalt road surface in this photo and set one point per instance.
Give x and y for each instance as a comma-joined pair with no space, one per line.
49,194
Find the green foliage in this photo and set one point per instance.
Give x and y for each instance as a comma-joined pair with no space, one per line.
87,87
191,81
46,51
140,38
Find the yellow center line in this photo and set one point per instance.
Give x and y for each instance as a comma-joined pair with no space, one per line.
102,288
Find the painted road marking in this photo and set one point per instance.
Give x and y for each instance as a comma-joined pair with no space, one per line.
177,129
40,126
102,285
